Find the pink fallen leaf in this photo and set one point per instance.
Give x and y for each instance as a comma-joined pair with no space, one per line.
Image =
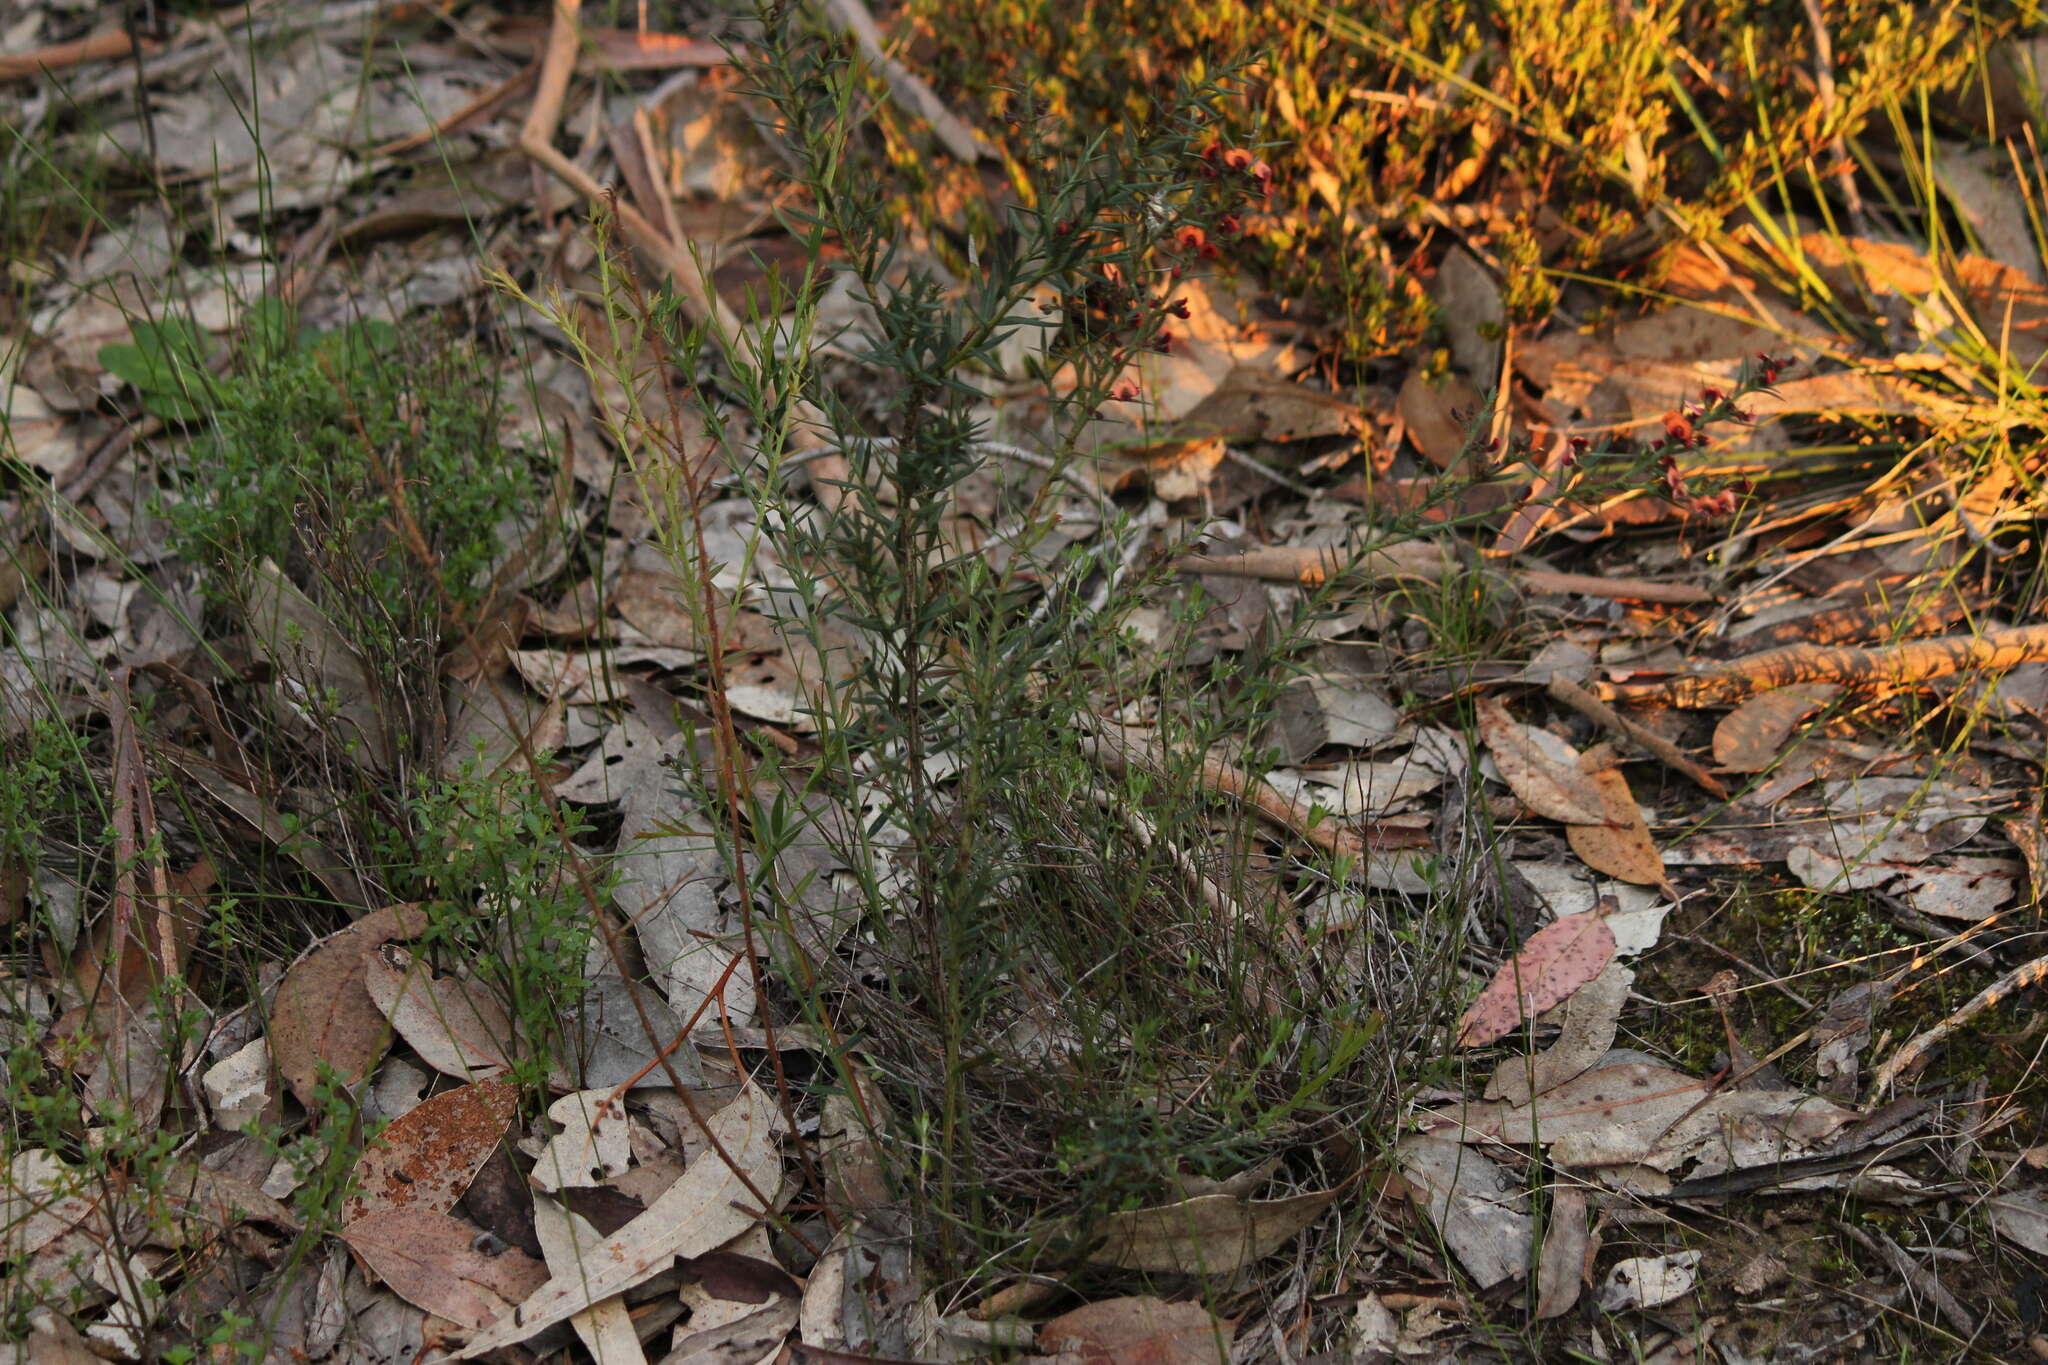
1557,960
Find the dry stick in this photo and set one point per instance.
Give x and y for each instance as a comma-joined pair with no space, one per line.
99,47
1569,693
1309,565
536,140
1890,665
1916,1048
962,141
1922,1280
484,105
1422,559
1327,834
1618,589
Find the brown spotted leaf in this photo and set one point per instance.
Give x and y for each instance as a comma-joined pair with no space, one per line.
1547,785
431,1261
1557,960
1621,848
1210,1234
1752,736
323,1012
428,1155
1138,1331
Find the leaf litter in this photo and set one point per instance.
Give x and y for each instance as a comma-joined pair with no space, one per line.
1846,803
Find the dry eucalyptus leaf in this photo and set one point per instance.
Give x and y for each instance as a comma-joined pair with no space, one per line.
1552,789
427,1156
1636,916
1591,1018
1138,1331
323,1011
1211,1234
317,668
1439,414
1975,180
1752,737
1256,405
605,1327
455,1025
593,1144
1557,960
430,1259
1640,1114
2021,1217
709,1206
1965,888
1562,1261
1622,848
1474,317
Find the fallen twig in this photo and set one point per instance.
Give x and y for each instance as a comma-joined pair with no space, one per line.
99,47
909,88
1617,589
1329,834
1310,565
1917,1047
1586,704
1918,1277
536,140
483,106
1886,666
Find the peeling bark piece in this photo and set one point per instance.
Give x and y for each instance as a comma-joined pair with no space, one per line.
1649,1281
1906,666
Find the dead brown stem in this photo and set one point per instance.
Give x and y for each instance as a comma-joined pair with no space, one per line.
1586,704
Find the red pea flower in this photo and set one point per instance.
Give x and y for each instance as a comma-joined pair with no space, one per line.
1179,308
1228,225
1237,158
1190,238
1125,392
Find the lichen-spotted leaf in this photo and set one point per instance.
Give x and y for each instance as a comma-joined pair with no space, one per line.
1557,960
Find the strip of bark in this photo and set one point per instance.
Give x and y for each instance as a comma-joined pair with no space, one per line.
1901,666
